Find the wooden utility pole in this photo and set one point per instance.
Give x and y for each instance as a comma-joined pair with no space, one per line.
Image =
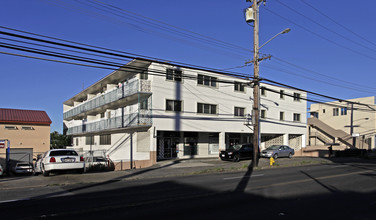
256,85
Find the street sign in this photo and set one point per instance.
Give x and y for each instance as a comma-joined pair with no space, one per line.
355,134
2,143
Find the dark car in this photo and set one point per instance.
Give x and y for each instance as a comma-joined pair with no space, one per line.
237,152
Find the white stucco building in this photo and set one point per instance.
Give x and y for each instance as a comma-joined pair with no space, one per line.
150,110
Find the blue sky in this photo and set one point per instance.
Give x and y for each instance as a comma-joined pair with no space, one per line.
317,55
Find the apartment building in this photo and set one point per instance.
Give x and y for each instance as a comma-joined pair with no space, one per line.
344,123
148,111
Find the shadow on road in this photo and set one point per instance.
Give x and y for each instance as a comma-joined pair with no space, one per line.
109,181
245,179
172,200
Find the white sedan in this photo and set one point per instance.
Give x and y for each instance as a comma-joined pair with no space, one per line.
59,160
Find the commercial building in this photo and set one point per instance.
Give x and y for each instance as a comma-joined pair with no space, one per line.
344,123
148,111
27,131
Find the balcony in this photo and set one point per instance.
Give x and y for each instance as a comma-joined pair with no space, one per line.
128,93
143,118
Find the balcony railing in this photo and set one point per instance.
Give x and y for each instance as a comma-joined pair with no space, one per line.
127,89
141,118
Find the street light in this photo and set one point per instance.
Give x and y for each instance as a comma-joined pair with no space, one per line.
282,32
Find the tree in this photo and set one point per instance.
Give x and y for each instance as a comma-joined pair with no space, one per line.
59,140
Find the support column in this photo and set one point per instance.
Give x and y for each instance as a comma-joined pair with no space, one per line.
285,139
222,141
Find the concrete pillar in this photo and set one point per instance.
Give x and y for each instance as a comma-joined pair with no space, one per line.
222,142
285,139
303,140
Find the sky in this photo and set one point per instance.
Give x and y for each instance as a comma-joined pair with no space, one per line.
331,48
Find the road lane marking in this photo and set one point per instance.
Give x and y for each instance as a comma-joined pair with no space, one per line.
14,200
239,177
340,166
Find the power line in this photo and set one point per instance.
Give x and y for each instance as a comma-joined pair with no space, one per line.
116,53
67,56
324,27
337,23
314,79
130,17
320,36
321,74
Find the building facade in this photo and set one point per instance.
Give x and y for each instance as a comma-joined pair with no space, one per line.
149,111
28,132
343,123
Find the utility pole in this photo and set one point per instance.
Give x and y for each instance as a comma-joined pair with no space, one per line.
252,15
352,125
256,85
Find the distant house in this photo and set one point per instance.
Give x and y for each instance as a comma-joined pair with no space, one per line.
27,130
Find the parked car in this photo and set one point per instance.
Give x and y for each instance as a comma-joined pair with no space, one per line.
59,160
237,152
276,151
22,168
1,171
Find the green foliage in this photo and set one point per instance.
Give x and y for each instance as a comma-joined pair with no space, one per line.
59,140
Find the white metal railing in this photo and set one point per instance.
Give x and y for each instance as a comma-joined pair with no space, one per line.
141,118
127,89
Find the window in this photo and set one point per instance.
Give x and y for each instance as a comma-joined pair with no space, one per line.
27,128
89,140
263,91
76,141
239,111
263,114
207,80
296,117
206,108
173,105
323,111
144,104
174,74
239,87
10,127
281,116
335,111
296,96
281,94
105,139
344,111
144,75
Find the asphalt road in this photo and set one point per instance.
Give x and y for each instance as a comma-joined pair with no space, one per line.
328,191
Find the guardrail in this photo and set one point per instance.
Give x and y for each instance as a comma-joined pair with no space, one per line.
141,118
126,89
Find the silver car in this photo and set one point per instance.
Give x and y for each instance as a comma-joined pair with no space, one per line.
276,151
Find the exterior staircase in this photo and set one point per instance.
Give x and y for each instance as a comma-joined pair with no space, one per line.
331,133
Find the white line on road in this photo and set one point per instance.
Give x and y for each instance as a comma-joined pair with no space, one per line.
239,177
13,200
340,166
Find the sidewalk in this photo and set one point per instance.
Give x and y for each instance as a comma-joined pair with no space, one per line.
167,168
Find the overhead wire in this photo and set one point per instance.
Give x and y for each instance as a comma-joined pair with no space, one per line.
320,36
324,27
337,23
118,65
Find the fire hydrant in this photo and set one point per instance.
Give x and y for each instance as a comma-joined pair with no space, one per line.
272,161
